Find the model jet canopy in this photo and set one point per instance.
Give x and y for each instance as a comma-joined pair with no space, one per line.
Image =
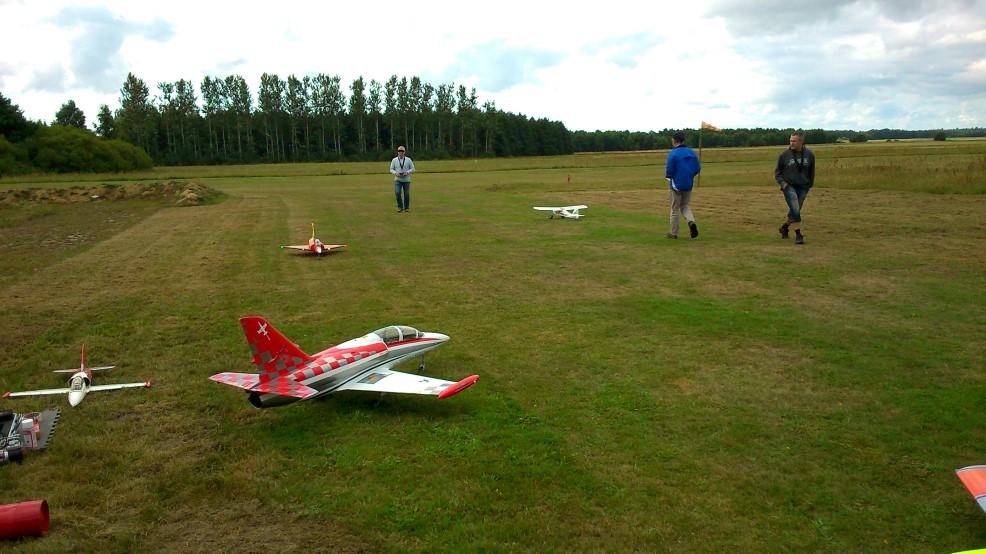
398,333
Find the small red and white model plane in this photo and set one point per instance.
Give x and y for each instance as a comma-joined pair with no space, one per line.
315,246
287,374
79,384
568,212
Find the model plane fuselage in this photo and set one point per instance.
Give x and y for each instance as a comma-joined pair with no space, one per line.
566,212
349,361
365,363
78,388
315,246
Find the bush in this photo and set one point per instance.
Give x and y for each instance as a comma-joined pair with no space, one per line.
68,149
859,137
13,158
940,135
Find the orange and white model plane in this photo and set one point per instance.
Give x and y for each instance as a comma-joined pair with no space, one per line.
80,384
315,246
287,374
566,212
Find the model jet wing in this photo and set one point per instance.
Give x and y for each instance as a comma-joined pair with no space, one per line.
41,392
96,388
78,369
386,380
285,386
307,248
974,479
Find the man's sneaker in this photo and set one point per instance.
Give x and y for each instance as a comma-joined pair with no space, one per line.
670,236
693,229
399,210
407,209
798,237
783,231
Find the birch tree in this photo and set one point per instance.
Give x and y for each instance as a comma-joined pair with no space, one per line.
375,101
357,110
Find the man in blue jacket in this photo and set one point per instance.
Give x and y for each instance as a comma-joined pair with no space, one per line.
682,167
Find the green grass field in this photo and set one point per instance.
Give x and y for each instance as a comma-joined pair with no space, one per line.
730,393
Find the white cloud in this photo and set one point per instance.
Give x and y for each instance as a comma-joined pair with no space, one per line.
618,65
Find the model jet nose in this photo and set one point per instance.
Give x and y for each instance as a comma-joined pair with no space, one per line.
437,336
75,398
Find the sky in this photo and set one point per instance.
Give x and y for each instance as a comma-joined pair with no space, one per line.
834,64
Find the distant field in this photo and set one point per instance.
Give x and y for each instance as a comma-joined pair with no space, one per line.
731,393
917,165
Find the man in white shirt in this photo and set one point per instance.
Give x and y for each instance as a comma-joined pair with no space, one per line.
402,167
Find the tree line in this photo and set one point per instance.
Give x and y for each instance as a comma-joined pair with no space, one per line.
64,146
316,118
313,119
609,141
614,141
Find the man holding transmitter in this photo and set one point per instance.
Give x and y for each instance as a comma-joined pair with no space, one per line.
402,167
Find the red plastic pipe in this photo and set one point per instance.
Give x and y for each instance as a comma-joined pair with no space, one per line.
25,519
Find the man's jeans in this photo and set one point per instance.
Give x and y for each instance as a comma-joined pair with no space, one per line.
406,188
795,198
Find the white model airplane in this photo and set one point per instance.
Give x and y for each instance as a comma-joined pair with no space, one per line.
287,374
315,246
568,212
79,384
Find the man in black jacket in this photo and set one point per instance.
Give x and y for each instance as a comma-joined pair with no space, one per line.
795,173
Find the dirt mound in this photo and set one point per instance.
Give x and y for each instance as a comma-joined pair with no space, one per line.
182,193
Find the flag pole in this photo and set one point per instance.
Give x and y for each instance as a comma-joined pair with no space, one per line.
700,154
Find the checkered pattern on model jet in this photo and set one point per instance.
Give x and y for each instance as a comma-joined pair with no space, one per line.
285,387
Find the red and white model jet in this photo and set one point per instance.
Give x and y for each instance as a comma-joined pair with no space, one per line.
315,246
79,385
287,374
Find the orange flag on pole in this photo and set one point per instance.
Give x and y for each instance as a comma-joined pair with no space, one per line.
710,127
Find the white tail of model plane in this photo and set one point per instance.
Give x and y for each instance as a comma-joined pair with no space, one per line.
82,365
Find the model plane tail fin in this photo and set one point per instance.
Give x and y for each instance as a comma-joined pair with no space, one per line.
245,381
284,386
82,365
272,352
